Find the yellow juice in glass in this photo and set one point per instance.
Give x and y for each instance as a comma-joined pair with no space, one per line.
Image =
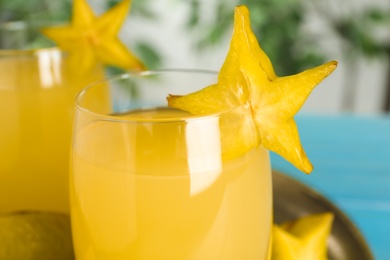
37,93
153,184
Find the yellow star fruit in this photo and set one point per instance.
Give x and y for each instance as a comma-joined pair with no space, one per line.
90,40
303,239
262,104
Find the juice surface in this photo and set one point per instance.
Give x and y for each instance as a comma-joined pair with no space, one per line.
162,191
36,109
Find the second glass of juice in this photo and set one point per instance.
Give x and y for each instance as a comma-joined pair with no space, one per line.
37,92
150,182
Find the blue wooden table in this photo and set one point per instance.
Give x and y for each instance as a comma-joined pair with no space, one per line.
351,158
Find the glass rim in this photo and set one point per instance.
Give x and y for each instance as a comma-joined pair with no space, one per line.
135,119
28,52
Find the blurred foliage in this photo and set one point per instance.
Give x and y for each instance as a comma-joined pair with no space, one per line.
278,25
34,10
359,34
138,7
21,21
358,30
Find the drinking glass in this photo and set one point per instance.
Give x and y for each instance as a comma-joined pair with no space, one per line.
150,182
37,91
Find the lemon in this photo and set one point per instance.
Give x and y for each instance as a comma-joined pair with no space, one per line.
35,235
303,239
260,105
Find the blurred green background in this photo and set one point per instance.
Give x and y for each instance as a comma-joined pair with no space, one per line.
296,34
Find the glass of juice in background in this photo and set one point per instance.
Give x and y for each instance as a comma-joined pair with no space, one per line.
37,92
150,182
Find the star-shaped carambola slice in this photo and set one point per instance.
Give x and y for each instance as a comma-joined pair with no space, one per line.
303,239
90,39
262,104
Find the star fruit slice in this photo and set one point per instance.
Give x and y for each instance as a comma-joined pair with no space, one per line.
261,104
90,39
304,238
